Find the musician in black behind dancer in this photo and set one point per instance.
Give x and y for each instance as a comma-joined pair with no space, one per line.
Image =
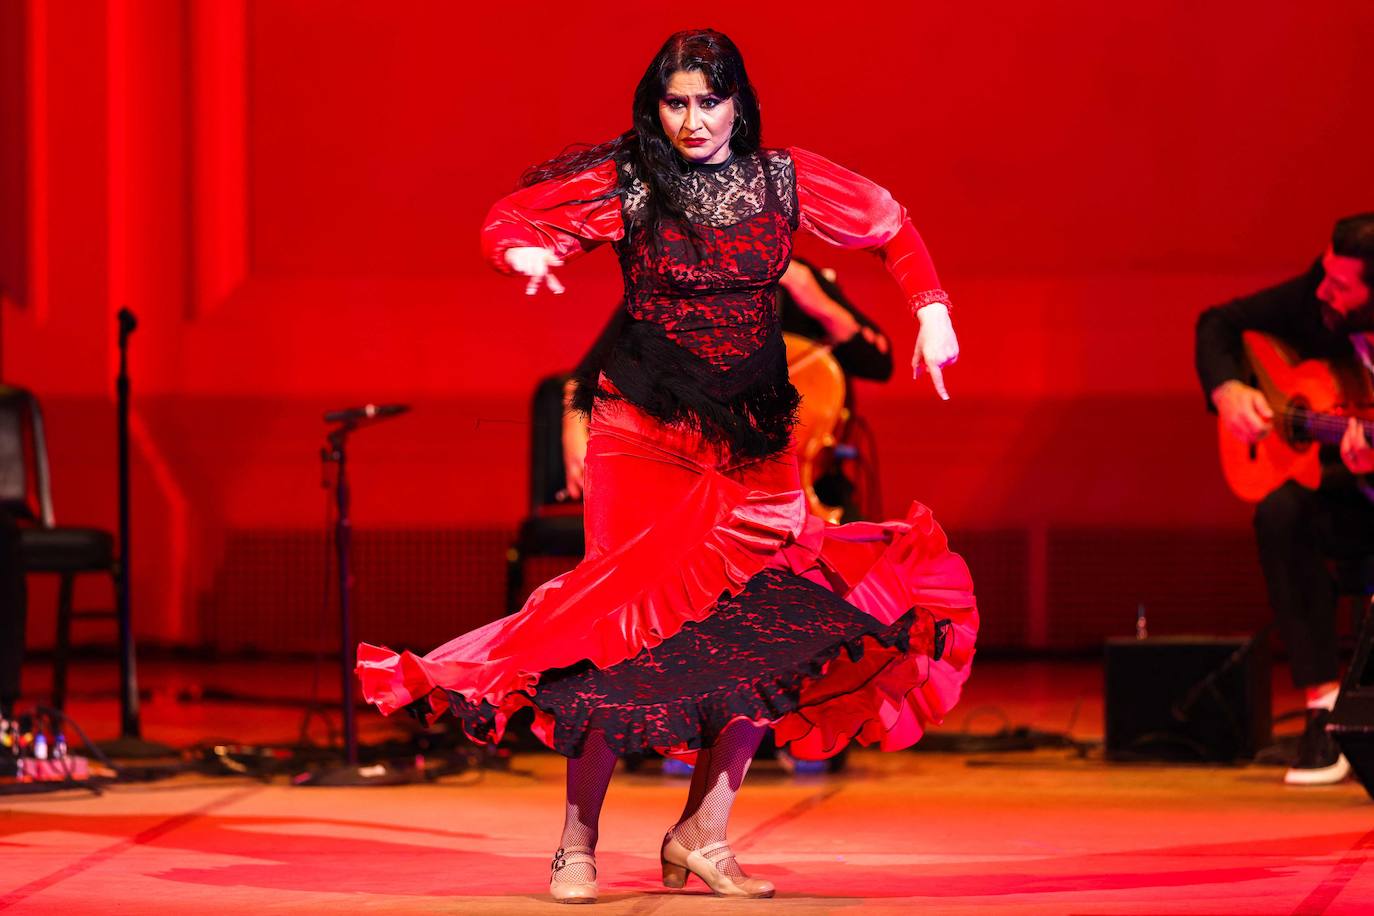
1326,313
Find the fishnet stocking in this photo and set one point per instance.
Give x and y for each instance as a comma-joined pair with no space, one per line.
697,790
588,777
715,782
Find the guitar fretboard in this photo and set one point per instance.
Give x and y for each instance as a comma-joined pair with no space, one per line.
1326,428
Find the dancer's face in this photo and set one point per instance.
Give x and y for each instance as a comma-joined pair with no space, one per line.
696,121
1343,288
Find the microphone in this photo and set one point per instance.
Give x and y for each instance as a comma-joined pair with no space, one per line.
366,412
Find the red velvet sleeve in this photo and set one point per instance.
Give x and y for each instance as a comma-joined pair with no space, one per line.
848,210
567,216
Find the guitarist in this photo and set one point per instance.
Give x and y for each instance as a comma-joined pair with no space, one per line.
1327,314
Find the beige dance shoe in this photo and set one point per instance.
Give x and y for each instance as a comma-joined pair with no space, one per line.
573,892
678,860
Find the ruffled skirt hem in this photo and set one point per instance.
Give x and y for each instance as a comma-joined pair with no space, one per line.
703,531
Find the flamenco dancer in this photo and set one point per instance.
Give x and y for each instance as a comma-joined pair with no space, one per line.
709,606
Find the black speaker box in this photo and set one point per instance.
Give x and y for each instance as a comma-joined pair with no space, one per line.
1187,698
1352,721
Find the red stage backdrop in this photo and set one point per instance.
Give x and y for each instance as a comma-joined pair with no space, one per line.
288,195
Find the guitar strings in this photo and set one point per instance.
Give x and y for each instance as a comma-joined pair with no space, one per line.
1318,423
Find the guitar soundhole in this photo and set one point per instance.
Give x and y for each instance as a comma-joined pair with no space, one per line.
1296,422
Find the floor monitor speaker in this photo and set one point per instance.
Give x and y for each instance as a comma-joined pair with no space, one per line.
1187,698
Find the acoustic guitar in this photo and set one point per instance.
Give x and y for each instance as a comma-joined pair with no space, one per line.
821,417
1312,402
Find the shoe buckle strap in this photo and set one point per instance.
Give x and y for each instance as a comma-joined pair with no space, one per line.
706,851
573,855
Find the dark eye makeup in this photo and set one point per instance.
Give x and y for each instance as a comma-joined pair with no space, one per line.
709,102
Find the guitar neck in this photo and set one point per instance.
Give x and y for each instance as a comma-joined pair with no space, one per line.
1326,428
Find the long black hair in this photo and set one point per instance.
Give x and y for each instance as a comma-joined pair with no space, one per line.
645,146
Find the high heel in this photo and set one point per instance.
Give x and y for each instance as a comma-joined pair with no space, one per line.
702,863
674,876
573,892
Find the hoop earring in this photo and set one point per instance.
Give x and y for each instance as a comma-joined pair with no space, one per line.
740,124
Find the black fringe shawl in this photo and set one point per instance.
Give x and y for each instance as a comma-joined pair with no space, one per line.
749,408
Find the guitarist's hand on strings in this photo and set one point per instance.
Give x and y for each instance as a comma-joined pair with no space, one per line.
1243,410
1355,449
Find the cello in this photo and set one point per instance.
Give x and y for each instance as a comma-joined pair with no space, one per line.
821,418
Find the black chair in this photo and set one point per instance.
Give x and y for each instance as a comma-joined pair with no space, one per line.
26,492
554,526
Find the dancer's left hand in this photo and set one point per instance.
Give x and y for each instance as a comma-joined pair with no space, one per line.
936,346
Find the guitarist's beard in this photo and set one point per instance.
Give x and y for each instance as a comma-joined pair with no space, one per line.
1358,321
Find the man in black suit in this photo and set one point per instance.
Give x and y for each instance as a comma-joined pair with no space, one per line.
1326,313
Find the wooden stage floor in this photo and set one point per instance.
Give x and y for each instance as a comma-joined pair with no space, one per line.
1047,831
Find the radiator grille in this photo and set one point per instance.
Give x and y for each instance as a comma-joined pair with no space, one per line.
1190,582
418,588
1000,563
276,591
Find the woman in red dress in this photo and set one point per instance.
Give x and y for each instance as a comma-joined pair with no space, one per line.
709,606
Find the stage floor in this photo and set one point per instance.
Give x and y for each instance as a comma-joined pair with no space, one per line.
1047,831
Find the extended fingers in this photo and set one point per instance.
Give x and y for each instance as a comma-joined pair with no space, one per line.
534,264
937,378
933,355
546,278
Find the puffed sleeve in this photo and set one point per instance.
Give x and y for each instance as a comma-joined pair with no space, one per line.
846,209
567,216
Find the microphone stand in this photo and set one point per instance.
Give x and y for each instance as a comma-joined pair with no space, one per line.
130,742
343,545
349,773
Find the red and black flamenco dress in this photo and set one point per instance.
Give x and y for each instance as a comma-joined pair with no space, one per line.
708,593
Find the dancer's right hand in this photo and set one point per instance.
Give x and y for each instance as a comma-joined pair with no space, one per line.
534,262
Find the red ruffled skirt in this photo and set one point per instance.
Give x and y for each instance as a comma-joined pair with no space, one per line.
709,594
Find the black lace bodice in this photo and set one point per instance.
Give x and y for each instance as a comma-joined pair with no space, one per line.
710,285
722,195
704,345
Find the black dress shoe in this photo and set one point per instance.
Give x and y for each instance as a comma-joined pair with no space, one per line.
1320,761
